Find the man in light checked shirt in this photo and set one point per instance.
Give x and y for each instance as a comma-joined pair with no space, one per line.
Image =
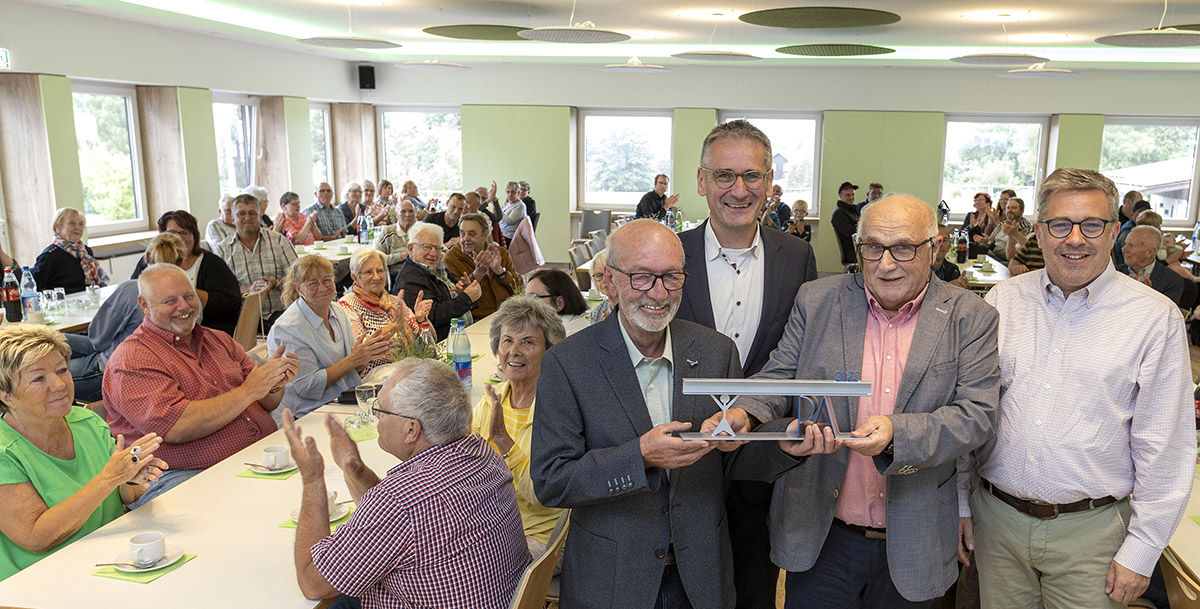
1091,467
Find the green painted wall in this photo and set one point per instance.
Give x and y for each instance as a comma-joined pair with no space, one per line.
299,143
199,152
691,126
1075,141
532,143
901,150
59,111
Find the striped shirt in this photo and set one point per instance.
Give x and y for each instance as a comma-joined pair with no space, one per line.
270,258
1030,255
440,530
1095,401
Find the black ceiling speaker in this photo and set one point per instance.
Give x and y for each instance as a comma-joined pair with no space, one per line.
366,77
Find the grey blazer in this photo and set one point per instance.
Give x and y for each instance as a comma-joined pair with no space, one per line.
945,406
586,455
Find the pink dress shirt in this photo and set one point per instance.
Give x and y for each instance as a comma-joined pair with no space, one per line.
863,500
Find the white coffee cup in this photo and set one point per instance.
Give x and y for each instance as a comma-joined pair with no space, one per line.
594,293
332,497
343,249
968,274
981,258
146,549
37,317
276,457
300,249
351,239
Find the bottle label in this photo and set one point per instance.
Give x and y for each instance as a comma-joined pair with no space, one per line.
463,369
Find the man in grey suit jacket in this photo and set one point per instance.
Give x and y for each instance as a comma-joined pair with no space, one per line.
742,279
648,520
877,525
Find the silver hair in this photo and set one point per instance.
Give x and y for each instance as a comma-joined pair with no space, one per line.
258,192
366,183
430,392
479,218
512,184
152,272
421,227
523,184
226,202
928,219
347,188
527,310
1066,178
362,255
1146,229
740,130
600,260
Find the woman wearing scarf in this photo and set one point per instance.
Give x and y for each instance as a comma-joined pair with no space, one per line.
370,307
67,263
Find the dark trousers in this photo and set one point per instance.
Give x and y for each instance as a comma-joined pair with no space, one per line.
747,508
851,573
671,594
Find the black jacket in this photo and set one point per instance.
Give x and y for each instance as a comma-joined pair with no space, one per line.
412,278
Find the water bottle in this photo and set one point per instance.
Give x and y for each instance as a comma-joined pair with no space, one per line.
453,333
670,219
12,297
370,227
363,237
678,221
428,339
30,301
461,348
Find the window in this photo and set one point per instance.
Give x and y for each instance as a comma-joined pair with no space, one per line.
422,146
318,121
1155,158
622,152
989,155
794,153
109,160
234,123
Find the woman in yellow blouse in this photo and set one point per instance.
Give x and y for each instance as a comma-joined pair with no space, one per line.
523,328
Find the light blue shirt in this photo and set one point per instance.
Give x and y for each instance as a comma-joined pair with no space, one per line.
656,378
116,319
304,333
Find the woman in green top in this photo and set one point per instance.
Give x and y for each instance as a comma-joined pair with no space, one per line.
61,476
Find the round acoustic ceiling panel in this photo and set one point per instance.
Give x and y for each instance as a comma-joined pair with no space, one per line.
1156,39
349,42
433,65
819,17
715,55
573,34
1186,26
476,31
999,59
834,50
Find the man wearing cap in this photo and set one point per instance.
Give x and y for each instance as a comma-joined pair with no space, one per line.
844,220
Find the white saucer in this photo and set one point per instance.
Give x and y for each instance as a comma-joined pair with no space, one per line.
262,469
337,514
174,553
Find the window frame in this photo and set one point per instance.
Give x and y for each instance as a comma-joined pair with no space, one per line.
381,143
241,100
143,222
1039,173
1188,222
581,202
326,110
726,115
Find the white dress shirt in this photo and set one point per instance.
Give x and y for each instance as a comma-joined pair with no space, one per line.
735,288
1095,401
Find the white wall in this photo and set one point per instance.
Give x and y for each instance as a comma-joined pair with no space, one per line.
80,45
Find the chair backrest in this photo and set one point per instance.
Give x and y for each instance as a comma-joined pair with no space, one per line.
1182,591
98,408
601,236
596,219
524,250
595,245
535,581
579,255
535,217
246,331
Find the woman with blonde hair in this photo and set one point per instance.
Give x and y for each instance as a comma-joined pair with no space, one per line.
321,335
62,476
67,263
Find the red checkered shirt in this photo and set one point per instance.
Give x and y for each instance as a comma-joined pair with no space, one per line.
153,376
441,530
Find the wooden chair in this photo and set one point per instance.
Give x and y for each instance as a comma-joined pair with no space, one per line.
98,408
1182,590
249,321
579,255
535,581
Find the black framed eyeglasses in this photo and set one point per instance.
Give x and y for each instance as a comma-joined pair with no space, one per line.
901,252
644,282
1060,228
726,178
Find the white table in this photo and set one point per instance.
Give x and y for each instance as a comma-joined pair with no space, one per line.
243,558
79,311
1185,543
981,281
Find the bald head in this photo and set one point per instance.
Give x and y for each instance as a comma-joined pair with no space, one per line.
634,240
918,216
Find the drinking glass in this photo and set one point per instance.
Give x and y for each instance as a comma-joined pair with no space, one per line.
365,396
60,300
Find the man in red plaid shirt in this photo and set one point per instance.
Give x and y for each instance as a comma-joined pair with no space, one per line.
440,530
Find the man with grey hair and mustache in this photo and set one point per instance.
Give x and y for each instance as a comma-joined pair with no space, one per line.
441,529
191,385
647,524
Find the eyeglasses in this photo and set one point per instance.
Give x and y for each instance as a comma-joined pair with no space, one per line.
598,277
396,414
726,178
901,252
1060,228
180,233
425,247
543,296
327,281
644,282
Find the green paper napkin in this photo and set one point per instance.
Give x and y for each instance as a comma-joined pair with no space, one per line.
363,434
291,524
1195,519
249,473
143,577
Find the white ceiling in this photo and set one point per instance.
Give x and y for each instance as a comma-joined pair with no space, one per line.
930,31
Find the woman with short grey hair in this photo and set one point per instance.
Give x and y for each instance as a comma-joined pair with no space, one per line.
370,307
523,328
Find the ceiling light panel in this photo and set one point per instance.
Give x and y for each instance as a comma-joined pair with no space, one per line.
819,17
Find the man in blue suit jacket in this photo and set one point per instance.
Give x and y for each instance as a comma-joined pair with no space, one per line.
742,279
